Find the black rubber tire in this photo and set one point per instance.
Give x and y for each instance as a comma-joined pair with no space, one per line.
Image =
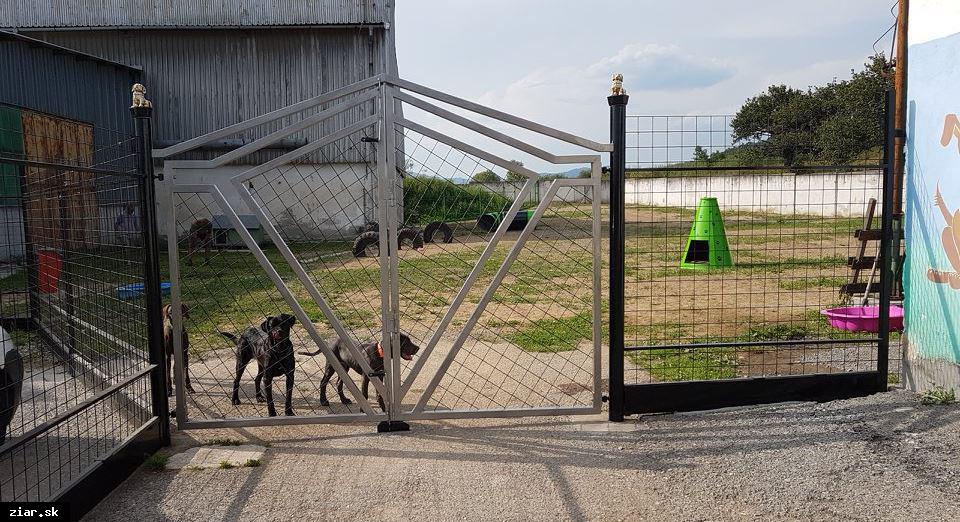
411,235
364,241
371,226
438,226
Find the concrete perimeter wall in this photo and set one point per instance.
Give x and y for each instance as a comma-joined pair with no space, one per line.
835,194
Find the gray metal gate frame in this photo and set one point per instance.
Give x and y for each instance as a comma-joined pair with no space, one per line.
387,94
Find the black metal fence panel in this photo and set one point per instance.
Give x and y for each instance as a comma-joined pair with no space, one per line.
738,255
75,382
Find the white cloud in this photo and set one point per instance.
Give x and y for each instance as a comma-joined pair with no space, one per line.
659,67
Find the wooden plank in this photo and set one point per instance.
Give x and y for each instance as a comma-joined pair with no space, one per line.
867,225
871,235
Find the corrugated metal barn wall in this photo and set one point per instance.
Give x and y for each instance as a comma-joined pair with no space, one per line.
189,13
66,84
203,80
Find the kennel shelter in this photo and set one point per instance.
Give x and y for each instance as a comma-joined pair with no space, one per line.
78,404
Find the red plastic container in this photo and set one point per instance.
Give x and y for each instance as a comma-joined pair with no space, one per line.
49,269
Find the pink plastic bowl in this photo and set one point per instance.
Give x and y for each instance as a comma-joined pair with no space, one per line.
863,318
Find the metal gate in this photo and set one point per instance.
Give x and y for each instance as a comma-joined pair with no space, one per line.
359,213
722,262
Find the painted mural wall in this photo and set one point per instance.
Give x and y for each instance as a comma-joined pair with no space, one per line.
932,275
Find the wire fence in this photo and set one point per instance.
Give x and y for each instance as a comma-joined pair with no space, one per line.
74,384
732,254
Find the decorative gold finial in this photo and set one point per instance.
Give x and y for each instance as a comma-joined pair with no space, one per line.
618,89
139,96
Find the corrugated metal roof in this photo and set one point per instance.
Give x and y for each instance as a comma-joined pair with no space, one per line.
32,14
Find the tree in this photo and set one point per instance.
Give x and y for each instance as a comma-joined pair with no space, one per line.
516,176
831,123
486,176
700,155
585,173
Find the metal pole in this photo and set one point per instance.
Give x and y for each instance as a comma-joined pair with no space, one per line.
618,163
889,260
142,112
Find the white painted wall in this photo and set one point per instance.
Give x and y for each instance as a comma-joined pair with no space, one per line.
323,202
838,194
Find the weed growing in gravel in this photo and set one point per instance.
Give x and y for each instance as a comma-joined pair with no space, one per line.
156,462
252,463
938,395
225,464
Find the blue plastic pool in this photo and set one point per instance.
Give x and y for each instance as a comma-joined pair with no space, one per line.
136,290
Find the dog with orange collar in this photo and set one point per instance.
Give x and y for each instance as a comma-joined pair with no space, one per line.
373,352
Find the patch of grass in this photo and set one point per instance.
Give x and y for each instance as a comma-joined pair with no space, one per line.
775,332
893,378
225,464
668,364
937,396
819,282
15,281
552,335
223,442
252,463
428,198
156,462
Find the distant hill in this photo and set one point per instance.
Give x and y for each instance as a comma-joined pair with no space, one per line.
572,173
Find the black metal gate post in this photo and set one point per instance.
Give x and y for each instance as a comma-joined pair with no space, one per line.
618,163
888,257
142,114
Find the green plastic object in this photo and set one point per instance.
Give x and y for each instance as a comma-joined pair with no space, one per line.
707,245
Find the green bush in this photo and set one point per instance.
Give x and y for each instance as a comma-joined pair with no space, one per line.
427,199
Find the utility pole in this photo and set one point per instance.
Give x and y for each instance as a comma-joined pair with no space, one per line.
900,106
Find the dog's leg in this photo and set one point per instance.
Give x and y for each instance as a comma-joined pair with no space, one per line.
268,388
366,386
381,403
327,374
242,361
186,362
288,406
169,355
343,398
257,380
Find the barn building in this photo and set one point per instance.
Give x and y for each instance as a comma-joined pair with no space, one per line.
208,65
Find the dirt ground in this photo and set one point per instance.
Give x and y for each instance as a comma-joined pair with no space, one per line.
882,457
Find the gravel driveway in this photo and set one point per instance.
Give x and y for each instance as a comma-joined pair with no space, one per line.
878,458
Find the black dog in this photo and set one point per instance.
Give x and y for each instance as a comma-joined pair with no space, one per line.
373,353
270,345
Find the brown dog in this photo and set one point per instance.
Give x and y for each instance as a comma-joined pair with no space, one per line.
200,236
168,346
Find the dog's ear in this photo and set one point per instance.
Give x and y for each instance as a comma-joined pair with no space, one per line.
267,324
167,311
288,320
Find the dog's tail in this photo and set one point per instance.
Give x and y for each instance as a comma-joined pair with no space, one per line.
230,336
313,353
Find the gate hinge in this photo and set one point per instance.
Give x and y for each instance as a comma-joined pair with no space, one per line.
370,139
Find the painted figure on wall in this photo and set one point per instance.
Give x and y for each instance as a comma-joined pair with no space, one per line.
950,236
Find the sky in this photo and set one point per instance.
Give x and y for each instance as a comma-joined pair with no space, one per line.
551,61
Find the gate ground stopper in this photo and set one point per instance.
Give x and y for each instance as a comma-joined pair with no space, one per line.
707,244
392,426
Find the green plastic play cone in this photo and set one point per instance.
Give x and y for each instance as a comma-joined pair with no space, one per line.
707,245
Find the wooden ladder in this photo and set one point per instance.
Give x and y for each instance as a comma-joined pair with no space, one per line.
861,261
